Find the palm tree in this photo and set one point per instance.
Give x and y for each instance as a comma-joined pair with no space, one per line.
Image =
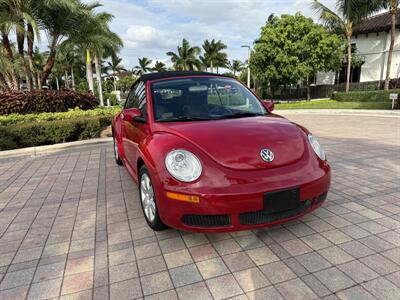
350,13
159,67
70,22
95,37
235,66
143,66
71,56
5,67
115,66
393,8
9,54
64,19
15,15
39,60
213,55
186,58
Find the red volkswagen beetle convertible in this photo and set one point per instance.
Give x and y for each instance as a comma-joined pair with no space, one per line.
208,155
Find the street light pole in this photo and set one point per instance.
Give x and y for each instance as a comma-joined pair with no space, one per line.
248,64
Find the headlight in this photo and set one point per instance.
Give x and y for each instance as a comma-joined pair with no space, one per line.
183,165
316,147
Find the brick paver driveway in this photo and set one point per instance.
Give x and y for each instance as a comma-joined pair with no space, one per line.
71,227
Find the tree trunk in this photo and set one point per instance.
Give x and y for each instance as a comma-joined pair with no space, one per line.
8,79
50,62
3,83
30,38
58,85
308,89
98,77
211,67
38,80
392,41
115,82
10,56
73,78
66,79
24,64
89,71
349,56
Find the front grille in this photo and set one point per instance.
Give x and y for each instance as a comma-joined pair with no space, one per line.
321,198
206,220
260,217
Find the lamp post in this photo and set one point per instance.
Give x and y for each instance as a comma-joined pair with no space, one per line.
248,64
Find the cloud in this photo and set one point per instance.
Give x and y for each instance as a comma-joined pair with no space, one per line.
150,28
138,36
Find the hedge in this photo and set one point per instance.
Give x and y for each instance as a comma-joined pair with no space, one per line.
50,132
365,96
70,114
44,101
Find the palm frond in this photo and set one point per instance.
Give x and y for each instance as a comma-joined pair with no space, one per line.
332,21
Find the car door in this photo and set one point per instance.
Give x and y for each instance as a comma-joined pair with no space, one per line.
136,129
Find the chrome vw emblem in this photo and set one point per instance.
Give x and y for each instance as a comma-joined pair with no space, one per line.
267,155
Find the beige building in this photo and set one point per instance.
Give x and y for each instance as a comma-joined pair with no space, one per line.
372,41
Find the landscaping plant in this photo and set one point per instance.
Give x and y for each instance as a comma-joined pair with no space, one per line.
35,133
44,101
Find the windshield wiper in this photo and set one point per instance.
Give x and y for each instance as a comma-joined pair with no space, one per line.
240,115
186,118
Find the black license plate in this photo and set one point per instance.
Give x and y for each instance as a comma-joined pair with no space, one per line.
281,200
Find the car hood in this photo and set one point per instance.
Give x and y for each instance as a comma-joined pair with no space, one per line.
237,143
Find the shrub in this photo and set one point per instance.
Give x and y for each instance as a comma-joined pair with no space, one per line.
112,97
125,83
50,132
70,114
364,96
44,101
394,83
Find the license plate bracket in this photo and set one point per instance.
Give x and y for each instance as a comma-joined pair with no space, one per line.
283,200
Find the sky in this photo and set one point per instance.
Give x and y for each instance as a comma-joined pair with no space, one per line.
150,28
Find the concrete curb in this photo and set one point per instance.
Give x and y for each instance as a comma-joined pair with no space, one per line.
47,149
342,112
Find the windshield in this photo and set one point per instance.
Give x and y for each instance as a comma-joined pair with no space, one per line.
203,98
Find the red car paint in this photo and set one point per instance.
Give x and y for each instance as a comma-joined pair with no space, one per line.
233,180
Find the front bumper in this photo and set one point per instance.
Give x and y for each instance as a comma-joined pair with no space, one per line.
233,211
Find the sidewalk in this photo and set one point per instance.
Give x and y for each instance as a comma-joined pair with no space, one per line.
343,112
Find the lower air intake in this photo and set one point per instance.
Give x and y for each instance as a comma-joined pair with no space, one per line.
206,220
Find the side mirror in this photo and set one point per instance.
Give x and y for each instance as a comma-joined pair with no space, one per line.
133,115
268,104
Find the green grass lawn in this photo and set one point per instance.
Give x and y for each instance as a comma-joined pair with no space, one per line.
332,104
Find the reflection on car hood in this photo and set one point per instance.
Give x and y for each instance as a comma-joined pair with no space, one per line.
237,143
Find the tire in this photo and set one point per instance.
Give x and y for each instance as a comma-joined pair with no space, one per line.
117,158
149,208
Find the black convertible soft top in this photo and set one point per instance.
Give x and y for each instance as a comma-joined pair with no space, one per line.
169,74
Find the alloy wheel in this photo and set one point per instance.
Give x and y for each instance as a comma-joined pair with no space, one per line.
147,197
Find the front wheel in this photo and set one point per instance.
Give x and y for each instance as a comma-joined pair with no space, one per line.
148,201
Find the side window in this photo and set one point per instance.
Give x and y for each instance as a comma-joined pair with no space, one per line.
140,95
131,97
137,98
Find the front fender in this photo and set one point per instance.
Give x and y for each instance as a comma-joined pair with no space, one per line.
116,126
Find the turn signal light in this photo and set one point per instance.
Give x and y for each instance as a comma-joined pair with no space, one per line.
182,197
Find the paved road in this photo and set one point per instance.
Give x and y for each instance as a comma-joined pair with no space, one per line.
71,227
